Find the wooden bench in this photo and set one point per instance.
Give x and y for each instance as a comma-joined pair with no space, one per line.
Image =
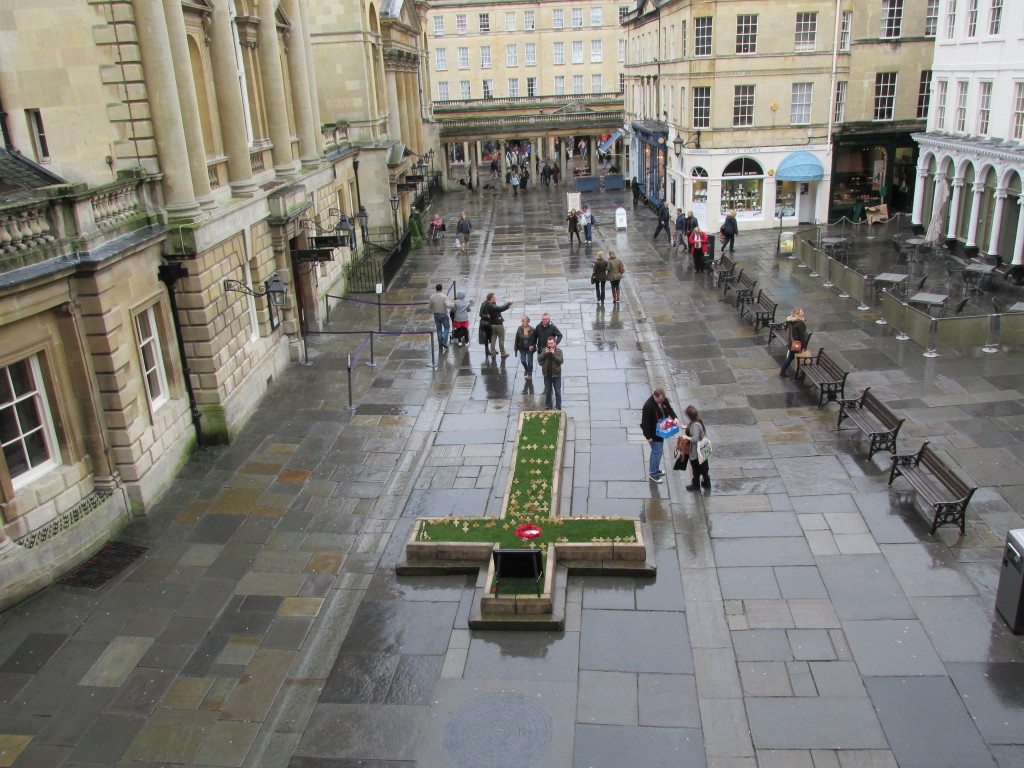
779,331
874,419
763,310
744,286
937,484
724,270
824,372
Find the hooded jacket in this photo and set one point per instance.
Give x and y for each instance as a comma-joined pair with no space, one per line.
462,307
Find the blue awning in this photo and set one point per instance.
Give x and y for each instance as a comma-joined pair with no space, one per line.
800,166
607,144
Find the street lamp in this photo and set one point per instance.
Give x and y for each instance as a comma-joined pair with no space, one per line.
275,291
394,212
364,221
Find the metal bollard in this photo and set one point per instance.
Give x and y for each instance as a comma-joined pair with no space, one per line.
828,280
933,331
350,406
372,363
882,320
433,352
900,334
994,327
327,310
843,293
380,326
814,270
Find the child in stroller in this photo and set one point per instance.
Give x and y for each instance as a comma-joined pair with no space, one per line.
437,228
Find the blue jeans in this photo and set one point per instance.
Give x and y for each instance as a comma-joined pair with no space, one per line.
443,324
588,231
657,449
553,383
526,358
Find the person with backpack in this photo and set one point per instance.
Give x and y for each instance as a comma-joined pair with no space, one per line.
460,318
730,228
635,187
462,229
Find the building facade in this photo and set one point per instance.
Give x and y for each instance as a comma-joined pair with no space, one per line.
162,174
730,108
970,166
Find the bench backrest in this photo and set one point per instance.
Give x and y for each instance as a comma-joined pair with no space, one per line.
745,280
726,264
829,365
943,473
880,410
765,302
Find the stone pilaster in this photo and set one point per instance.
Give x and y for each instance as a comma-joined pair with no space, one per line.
274,93
314,102
298,76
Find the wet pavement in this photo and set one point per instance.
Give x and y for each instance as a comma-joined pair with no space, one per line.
802,616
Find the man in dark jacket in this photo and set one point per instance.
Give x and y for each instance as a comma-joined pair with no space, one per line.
655,409
680,233
635,186
545,330
691,224
729,230
492,312
550,360
664,219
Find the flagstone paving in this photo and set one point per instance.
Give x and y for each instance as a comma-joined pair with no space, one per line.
801,617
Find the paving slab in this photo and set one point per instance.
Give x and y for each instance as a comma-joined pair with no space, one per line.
658,641
814,723
612,746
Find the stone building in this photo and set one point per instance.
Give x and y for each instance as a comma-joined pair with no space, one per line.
158,152
526,79
970,167
732,108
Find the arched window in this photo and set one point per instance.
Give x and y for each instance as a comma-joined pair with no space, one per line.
743,189
698,172
743,166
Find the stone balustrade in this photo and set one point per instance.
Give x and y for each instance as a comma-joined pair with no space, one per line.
24,226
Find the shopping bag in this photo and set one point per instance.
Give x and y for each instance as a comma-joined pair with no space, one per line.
703,450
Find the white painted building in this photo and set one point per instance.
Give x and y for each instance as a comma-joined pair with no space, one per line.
972,157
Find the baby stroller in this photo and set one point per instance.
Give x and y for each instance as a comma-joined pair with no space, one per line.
436,231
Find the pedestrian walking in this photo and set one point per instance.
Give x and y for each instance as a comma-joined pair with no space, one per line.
546,329
691,224
656,409
694,433
495,169
460,318
679,237
616,269
635,187
524,177
526,340
698,248
664,217
573,220
513,181
556,174
462,228
797,326
440,306
496,323
587,219
599,276
730,228
550,359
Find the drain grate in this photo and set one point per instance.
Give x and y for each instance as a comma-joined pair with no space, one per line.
99,569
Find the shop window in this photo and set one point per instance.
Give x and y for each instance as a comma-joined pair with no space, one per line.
746,33
26,424
699,202
858,177
743,188
151,353
785,200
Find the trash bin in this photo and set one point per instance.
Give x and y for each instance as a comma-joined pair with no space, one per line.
787,242
1010,595
710,255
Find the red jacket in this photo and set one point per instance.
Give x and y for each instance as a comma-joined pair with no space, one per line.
698,241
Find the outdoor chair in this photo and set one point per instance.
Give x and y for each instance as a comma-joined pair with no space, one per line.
998,306
920,283
958,308
954,271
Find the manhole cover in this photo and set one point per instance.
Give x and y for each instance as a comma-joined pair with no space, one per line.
498,730
99,569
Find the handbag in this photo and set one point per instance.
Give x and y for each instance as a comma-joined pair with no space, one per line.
704,450
796,346
681,462
593,279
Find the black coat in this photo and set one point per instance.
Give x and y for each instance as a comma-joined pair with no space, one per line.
492,312
542,333
652,414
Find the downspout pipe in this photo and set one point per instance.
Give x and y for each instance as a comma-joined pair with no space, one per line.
8,145
834,75
169,274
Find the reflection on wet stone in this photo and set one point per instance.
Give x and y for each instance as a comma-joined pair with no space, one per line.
499,730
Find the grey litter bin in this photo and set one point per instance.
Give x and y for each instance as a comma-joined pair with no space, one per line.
1010,595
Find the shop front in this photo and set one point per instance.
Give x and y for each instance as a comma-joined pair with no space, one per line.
872,169
650,142
743,190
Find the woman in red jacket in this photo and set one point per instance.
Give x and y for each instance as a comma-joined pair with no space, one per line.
698,247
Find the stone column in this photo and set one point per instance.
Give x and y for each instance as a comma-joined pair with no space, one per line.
172,148
561,159
314,102
298,77
188,104
394,112
997,223
954,208
6,545
1018,243
919,193
593,155
972,227
274,93
403,109
504,161
229,101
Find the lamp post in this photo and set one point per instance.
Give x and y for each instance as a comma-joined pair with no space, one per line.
364,222
394,212
275,290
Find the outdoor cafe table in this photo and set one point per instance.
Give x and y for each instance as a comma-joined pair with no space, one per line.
929,299
1018,307
975,272
891,278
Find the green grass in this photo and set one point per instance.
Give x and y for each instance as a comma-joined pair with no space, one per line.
534,474
572,530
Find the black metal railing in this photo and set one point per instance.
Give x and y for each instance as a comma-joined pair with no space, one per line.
365,275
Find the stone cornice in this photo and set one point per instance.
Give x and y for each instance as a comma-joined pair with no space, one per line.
1008,152
400,58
